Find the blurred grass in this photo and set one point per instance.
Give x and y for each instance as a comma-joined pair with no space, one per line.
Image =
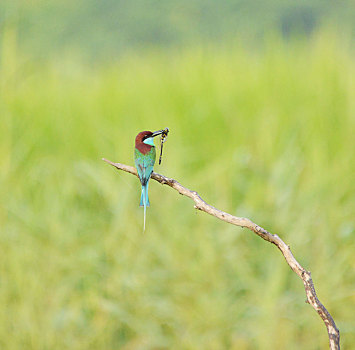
266,135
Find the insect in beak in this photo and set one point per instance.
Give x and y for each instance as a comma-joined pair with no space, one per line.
163,138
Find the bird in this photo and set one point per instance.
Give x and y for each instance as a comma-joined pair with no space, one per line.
144,159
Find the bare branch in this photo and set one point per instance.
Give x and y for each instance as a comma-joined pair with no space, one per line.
200,204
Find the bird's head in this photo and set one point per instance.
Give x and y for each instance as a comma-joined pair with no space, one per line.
147,137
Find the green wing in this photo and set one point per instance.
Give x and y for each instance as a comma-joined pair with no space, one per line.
144,164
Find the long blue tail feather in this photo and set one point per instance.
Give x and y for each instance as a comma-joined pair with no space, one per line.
144,196
144,201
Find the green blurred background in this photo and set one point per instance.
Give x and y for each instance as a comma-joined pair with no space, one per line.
260,101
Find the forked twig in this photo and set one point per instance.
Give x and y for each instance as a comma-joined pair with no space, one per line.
200,204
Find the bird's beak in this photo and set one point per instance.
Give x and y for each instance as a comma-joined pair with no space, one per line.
159,132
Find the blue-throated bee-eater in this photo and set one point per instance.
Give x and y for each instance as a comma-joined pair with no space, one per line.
144,158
